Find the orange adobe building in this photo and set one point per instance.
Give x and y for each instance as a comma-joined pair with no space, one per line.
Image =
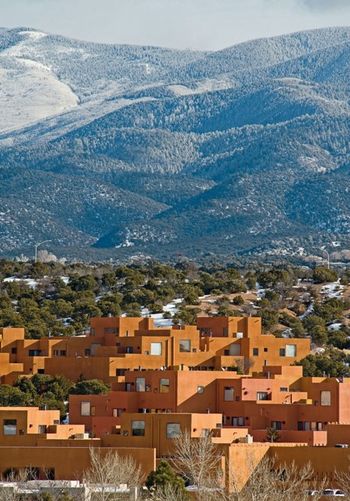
115,345
298,408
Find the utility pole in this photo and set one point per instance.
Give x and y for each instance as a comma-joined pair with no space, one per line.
36,246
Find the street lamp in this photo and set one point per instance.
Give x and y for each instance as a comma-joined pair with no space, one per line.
36,246
328,257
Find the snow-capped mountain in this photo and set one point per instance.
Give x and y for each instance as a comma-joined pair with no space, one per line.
129,149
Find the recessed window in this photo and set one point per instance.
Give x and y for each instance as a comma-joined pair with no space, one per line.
156,349
164,385
185,345
326,398
284,388
266,350
140,384
291,350
200,389
85,409
276,425
173,430
34,353
138,428
282,352
10,427
117,412
238,421
262,395
13,351
110,330
255,352
229,394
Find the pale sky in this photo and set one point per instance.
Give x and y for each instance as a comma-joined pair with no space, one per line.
196,24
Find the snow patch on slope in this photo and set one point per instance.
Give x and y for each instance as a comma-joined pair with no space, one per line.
29,92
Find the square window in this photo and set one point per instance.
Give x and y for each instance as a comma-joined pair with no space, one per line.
276,425
156,349
173,430
200,389
185,345
229,394
164,386
140,384
10,427
255,352
238,421
138,428
85,408
266,350
291,350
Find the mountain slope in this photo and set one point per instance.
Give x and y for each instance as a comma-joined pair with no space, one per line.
125,149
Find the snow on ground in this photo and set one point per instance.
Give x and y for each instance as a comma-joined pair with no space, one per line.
28,281
35,90
333,290
207,85
335,327
159,321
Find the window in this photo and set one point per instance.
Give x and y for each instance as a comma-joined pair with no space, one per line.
41,371
266,350
185,345
129,349
326,398
284,388
291,350
282,352
59,353
85,409
156,348
42,429
164,386
255,352
87,352
13,351
34,353
117,412
200,389
262,395
140,384
110,330
138,428
10,427
304,426
235,349
229,394
173,430
276,425
120,372
238,421
239,335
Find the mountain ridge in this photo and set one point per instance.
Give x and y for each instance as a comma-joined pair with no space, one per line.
164,151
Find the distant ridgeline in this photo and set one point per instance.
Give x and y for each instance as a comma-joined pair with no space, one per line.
112,151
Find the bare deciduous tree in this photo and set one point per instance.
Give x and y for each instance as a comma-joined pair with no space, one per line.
108,471
269,481
199,461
